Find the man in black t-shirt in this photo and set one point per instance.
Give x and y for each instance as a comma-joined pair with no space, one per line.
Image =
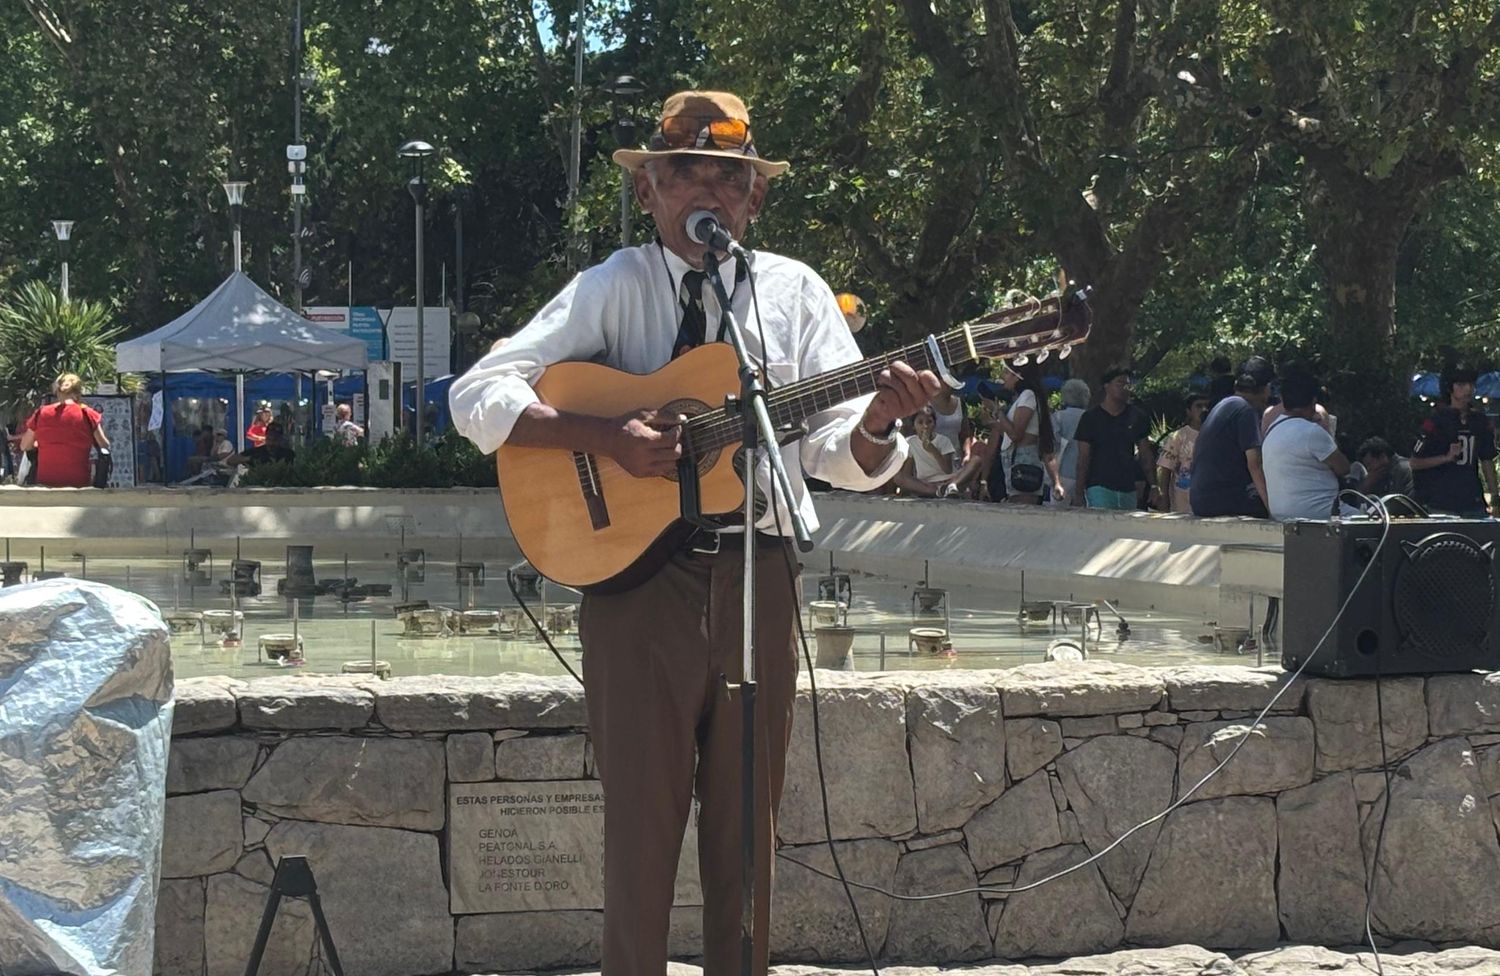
1227,474
1114,450
1456,443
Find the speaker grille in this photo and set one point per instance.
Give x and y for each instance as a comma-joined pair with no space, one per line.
1444,597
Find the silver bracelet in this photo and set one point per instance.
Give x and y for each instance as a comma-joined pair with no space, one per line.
885,441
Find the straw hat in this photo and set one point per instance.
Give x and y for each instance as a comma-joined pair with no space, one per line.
705,107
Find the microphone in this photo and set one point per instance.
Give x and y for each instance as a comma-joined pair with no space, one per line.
704,228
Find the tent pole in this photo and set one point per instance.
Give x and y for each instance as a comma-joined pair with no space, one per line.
239,408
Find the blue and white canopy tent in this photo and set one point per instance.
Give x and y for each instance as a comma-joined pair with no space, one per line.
240,328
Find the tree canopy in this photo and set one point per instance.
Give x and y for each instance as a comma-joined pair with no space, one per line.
1313,180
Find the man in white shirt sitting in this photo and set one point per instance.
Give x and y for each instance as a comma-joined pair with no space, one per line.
1302,463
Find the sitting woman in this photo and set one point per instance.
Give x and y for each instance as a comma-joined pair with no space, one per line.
930,469
1026,450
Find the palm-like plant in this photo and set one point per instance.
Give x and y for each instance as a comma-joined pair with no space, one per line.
42,337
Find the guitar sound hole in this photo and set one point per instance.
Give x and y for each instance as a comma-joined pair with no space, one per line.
692,408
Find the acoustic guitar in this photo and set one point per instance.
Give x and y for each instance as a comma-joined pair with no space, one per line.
584,522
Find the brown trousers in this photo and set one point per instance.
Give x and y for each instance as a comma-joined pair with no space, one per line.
655,664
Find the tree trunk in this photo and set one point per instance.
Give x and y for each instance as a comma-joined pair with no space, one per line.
1357,226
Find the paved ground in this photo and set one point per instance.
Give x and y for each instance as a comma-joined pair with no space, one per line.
1407,959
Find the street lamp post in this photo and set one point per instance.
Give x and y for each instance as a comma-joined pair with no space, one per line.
64,231
235,191
417,151
625,90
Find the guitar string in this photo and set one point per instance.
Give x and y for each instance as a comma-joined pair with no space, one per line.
715,430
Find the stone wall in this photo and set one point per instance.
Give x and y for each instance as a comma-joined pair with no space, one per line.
936,781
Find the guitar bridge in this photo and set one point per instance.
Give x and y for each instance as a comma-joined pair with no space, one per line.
593,489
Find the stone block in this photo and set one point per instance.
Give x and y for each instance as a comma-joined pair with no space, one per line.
322,701
1211,878
1182,960
1320,887
441,703
377,782
205,705
257,867
1198,716
409,930
685,932
1083,728
934,840
217,762
1154,719
1488,759
471,757
540,757
179,928
1022,821
1369,787
528,941
1277,755
1168,735
810,918
1460,703
1438,876
951,929
255,831
202,835
1028,925
1030,744
1067,822
1078,688
870,789
957,744
1346,721
232,918
1114,783
999,880
1131,720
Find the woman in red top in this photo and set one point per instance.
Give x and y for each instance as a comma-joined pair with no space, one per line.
63,434
256,432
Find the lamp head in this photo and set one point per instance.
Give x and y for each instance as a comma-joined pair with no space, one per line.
625,86
235,191
63,229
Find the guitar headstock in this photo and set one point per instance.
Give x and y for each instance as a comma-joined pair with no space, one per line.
1035,329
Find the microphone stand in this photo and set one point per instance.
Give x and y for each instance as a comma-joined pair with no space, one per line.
758,437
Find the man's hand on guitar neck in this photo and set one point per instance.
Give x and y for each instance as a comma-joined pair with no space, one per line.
900,392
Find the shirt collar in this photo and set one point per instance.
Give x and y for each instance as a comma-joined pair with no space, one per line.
729,270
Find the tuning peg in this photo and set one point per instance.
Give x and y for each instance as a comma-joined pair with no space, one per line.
1020,360
1066,352
1041,357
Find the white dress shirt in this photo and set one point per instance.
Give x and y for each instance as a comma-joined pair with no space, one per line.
624,313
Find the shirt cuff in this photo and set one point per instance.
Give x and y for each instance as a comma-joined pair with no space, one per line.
831,457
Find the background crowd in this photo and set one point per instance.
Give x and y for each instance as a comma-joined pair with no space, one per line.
1254,443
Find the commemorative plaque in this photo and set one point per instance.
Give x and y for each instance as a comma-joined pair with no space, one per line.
521,847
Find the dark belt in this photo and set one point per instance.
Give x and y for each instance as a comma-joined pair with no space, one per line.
707,543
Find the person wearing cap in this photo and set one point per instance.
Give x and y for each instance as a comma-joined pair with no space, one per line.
1228,475
661,662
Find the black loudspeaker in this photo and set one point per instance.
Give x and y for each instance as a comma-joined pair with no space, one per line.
1431,601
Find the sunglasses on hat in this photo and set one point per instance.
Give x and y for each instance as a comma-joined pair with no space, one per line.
696,132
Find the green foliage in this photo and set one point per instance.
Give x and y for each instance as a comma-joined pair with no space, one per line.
450,461
42,337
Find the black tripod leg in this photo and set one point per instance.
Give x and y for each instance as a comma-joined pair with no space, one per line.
267,919
324,934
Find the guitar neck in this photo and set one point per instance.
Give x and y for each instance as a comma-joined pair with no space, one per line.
791,404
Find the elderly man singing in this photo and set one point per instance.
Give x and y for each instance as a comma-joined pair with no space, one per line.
661,661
